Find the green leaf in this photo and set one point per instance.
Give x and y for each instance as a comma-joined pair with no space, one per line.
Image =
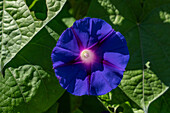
142,90
38,52
18,27
34,52
52,33
22,87
145,25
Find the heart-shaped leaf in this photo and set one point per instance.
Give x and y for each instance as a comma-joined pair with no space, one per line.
145,25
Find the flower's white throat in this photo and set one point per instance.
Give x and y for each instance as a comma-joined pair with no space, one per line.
87,56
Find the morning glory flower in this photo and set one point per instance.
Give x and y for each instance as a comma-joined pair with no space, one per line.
90,57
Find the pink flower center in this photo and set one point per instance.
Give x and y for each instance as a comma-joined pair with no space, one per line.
87,56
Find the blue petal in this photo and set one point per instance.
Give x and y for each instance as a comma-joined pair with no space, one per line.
73,78
62,56
68,41
91,30
114,50
103,81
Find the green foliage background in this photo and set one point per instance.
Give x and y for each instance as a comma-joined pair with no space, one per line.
29,29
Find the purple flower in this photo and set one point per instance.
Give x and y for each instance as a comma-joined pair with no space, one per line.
90,57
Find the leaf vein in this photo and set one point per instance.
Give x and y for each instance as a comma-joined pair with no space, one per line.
18,85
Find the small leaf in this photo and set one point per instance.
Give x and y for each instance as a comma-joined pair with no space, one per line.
142,90
52,33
